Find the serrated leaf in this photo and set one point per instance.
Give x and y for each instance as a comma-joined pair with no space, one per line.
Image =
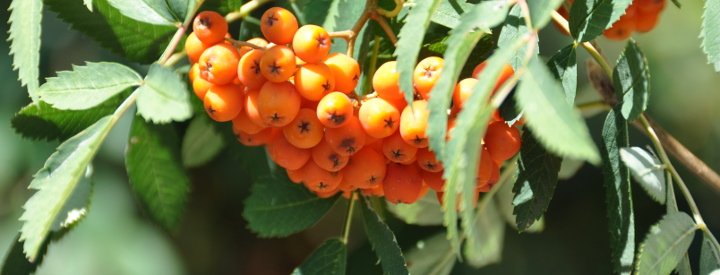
541,11
201,143
709,256
554,122
277,207
665,244
155,172
631,79
618,194
535,185
486,248
87,86
563,66
504,198
710,33
56,182
448,13
410,42
134,40
383,241
39,120
426,211
163,97
589,18
512,29
328,259
432,256
646,170
24,36
15,262
156,12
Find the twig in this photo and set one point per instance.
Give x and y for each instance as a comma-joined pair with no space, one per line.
589,47
244,10
391,13
348,218
385,27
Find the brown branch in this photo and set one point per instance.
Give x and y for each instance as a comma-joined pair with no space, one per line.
385,27
240,43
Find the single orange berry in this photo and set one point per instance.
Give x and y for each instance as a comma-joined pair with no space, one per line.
278,63
319,180
311,43
385,82
305,131
397,150
433,180
347,139
259,139
278,103
210,27
251,108
621,30
335,110
278,25
223,102
427,161
462,92
366,169
324,156
218,64
403,183
286,155
194,48
296,176
502,141
426,74
345,70
242,123
248,70
413,123
313,81
379,118
646,22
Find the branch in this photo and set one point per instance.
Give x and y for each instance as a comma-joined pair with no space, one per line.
244,10
385,27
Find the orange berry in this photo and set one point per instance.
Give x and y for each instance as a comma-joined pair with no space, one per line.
200,87
433,180
278,25
324,156
376,191
385,82
278,63
261,138
242,123
223,102
257,41
502,141
194,48
426,74
218,64
427,161
319,180
327,194
646,22
403,183
413,122
335,110
295,176
649,6
251,108
397,150
305,131
345,70
286,155
485,168
347,139
462,92
366,169
313,81
311,43
248,69
210,27
278,103
379,118
621,30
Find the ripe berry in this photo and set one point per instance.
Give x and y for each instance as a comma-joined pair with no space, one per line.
385,82
345,70
261,138
278,63
486,168
319,180
218,64
286,155
248,70
210,27
200,85
223,102
278,25
403,183
251,108
311,43
433,180
242,123
379,118
502,141
620,30
335,110
305,131
427,161
295,176
313,81
347,139
194,48
413,122
324,156
278,103
462,92
366,169
647,22
376,191
257,41
426,74
397,150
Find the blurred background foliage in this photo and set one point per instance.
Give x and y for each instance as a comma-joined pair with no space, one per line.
117,237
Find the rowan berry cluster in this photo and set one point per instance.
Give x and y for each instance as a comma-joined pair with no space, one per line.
640,16
290,94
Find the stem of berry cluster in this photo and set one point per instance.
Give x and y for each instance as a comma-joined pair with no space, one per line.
348,218
244,10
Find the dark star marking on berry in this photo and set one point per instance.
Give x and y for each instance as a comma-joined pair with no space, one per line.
274,68
418,140
389,122
336,118
373,179
356,77
428,71
326,86
304,126
211,111
430,165
206,22
322,185
271,20
397,154
321,40
349,145
335,160
256,66
276,118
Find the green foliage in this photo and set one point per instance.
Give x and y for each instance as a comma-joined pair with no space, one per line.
202,142
134,40
710,33
646,170
156,12
155,172
409,44
328,259
537,178
383,241
426,211
665,244
563,66
432,256
486,248
87,86
511,31
163,97
16,263
24,36
541,11
589,18
341,15
88,4
709,256
618,195
278,208
448,12
222,6
553,121
631,79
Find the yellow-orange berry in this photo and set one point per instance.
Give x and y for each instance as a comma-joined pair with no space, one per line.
345,70
278,25
278,63
278,103
311,43
313,81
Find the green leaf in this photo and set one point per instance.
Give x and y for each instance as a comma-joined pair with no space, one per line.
426,211
646,170
56,182
163,97
448,13
512,30
486,247
710,33
504,199
589,18
537,178
155,172
383,241
631,79
410,42
541,11
553,121
341,15
432,256
156,12
134,40
328,259
88,4
202,142
665,244
39,120
709,256
569,167
24,35
277,207
15,262
222,6
618,194
87,86
564,67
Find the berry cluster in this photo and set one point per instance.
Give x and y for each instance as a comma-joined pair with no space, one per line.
640,16
292,95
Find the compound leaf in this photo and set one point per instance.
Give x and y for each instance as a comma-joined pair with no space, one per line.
163,97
